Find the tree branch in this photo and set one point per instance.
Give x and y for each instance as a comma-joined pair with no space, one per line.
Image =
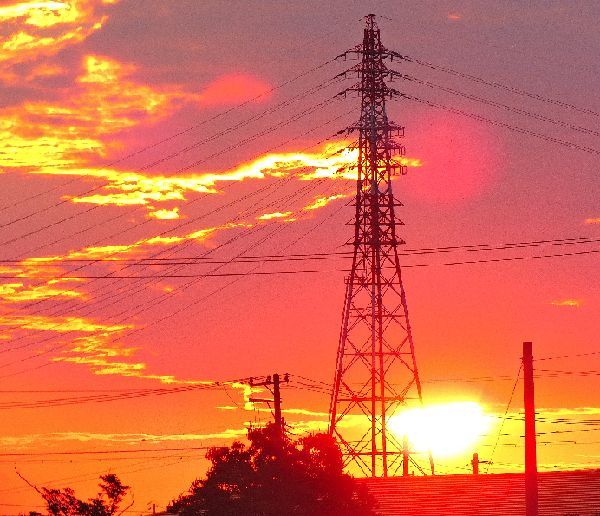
130,505
28,482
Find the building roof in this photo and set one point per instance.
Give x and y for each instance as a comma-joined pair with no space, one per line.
561,493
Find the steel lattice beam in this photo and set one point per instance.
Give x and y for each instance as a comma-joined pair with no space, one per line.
376,370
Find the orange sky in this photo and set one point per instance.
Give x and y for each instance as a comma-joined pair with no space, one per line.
134,138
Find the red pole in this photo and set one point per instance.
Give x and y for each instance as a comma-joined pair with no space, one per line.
531,487
475,463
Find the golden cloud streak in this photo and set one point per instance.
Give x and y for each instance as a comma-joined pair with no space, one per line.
29,268
321,202
165,214
276,215
573,303
18,292
134,188
114,251
99,353
24,441
59,324
105,357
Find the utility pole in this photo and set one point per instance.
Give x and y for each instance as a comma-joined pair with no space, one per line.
376,373
531,487
475,462
275,381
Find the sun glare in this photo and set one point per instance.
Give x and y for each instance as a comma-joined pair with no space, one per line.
446,430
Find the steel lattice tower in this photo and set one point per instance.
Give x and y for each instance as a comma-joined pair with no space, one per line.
376,371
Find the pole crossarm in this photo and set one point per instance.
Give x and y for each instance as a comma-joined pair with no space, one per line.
274,381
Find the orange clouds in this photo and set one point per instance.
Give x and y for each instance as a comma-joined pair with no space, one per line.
122,438
43,135
42,13
135,188
18,292
276,215
60,324
21,148
234,89
73,129
137,247
107,101
165,214
59,137
572,303
40,28
320,202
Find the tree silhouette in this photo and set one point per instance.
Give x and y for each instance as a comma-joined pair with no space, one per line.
274,476
63,502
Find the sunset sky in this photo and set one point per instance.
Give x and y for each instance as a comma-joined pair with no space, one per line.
174,212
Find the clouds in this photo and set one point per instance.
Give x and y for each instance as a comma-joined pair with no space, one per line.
231,89
59,324
45,135
130,188
40,29
26,441
569,303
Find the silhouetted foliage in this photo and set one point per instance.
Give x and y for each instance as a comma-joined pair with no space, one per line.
63,502
275,476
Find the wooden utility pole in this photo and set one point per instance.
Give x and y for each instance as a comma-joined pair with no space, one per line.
277,403
531,487
275,381
475,463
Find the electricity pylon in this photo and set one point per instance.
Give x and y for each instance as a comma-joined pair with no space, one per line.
376,371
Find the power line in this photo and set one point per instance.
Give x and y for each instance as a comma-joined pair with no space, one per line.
238,125
181,132
101,452
500,105
148,306
520,130
505,416
194,219
193,260
576,355
499,85
306,271
292,119
128,213
106,397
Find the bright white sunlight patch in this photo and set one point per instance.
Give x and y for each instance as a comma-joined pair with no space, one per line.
446,430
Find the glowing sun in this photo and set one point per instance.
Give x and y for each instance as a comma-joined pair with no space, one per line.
446,430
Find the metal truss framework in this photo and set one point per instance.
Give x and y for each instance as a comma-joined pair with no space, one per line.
376,371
